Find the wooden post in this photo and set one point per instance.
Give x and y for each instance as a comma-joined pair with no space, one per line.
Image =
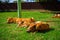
19,8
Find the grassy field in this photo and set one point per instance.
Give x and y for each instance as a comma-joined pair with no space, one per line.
11,32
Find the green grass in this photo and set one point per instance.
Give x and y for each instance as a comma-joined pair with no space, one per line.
11,32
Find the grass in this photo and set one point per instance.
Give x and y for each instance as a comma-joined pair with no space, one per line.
11,32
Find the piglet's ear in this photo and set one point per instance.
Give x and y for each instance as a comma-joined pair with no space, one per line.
32,18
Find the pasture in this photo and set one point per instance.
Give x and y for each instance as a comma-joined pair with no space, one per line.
12,32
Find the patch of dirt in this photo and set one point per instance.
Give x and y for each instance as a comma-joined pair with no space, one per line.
40,10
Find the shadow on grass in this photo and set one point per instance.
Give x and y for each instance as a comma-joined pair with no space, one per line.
45,31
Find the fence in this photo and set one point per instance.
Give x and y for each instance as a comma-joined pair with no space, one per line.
31,5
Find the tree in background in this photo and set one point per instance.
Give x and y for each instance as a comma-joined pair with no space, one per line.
47,0
4,1
0,1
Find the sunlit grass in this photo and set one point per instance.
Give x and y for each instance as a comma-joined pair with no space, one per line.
12,32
